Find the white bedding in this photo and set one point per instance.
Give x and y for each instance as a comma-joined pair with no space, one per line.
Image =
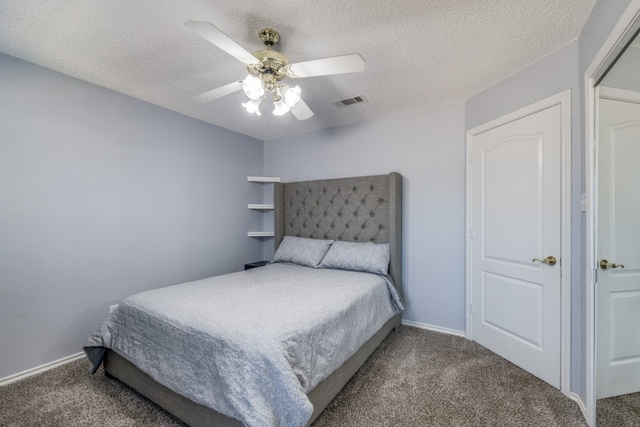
249,344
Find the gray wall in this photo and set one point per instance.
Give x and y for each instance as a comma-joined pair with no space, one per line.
428,148
101,196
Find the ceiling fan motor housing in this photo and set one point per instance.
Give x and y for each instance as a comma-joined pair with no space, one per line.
273,64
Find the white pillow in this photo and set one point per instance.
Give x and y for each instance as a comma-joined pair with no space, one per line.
369,257
302,250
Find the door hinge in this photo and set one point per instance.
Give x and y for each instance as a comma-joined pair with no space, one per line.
471,308
471,233
471,158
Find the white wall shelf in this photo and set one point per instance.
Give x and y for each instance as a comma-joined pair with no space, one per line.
263,179
260,233
260,206
264,207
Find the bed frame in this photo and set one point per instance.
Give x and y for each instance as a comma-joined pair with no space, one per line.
361,209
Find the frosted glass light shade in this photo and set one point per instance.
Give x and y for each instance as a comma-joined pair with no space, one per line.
252,106
291,95
252,87
280,108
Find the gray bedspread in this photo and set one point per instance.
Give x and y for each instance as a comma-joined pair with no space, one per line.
249,344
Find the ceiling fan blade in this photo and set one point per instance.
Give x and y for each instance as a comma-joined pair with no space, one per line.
219,92
209,32
351,63
301,110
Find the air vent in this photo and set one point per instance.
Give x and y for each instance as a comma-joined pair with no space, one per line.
348,102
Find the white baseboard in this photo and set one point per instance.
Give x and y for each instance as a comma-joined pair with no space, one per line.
576,398
42,368
434,328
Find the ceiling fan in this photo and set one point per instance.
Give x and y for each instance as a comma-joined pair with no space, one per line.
267,68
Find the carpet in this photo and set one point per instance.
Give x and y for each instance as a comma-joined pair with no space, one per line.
620,411
415,378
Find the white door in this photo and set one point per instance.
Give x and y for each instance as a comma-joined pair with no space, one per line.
618,244
516,218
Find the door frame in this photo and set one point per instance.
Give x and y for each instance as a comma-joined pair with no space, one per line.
614,45
564,100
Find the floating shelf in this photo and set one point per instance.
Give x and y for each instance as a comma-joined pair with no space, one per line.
263,179
260,206
260,234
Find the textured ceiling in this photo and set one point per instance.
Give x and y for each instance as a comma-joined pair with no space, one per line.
418,52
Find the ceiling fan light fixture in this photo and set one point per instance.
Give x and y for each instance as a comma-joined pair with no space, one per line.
267,68
291,95
252,106
252,87
280,107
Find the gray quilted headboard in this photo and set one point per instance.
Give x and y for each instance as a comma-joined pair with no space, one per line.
360,209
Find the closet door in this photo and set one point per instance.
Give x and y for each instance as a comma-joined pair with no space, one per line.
618,251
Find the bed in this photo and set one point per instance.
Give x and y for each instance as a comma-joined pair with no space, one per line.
345,212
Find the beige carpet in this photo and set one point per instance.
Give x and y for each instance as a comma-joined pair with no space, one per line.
620,411
415,378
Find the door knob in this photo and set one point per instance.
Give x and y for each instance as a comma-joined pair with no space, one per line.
548,260
604,264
